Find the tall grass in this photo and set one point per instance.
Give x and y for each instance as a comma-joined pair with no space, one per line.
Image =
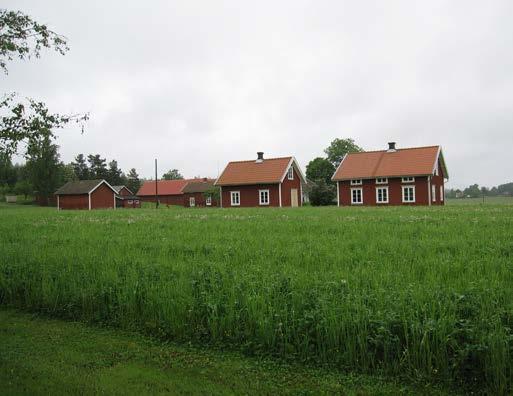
423,292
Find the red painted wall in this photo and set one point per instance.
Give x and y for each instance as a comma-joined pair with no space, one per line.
136,203
102,198
394,192
199,198
286,189
249,196
439,182
74,201
124,192
165,199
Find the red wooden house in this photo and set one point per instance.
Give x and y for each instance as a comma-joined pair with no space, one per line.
261,182
86,194
169,192
125,198
195,193
410,176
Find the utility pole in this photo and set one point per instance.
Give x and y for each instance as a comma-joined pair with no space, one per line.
156,187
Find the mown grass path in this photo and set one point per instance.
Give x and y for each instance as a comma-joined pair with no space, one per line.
39,356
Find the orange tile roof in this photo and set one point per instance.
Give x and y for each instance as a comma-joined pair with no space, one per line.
165,187
271,170
414,161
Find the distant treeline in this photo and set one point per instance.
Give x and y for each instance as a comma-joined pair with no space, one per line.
475,191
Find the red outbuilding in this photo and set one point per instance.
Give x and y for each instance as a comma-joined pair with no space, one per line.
410,176
197,193
262,182
86,194
169,192
125,198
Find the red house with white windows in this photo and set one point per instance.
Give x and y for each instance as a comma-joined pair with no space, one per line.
410,176
262,182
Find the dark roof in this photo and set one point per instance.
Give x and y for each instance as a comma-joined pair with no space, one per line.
123,197
119,188
79,187
196,186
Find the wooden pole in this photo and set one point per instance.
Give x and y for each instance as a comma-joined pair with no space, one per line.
156,187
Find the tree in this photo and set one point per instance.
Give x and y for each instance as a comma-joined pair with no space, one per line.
213,192
80,167
8,174
472,191
67,173
321,193
172,174
115,175
133,183
44,168
340,147
24,187
97,166
320,169
27,120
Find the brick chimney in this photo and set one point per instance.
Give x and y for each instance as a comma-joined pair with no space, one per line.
391,147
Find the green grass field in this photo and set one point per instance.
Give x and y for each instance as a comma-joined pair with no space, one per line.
424,293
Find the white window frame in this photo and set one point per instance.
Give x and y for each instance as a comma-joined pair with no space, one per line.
208,200
290,173
356,182
232,195
433,193
352,196
136,202
260,202
130,202
381,180
403,189
192,202
407,179
377,195
442,192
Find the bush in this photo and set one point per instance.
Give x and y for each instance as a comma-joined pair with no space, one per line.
322,193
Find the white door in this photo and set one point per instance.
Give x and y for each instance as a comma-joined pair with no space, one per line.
293,198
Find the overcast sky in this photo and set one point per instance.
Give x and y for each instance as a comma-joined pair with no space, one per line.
199,83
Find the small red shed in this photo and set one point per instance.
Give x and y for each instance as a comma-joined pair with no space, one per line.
409,176
195,193
87,195
125,198
262,183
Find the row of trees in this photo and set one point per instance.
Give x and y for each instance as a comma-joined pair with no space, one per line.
322,190
474,191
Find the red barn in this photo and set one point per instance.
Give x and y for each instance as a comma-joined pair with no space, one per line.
194,193
169,191
125,198
261,182
410,176
86,194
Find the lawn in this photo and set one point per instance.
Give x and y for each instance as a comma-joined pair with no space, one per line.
424,293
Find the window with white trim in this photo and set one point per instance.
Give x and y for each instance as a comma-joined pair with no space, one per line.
409,179
381,180
192,201
263,197
382,194
408,194
130,202
290,173
442,192
235,198
356,196
208,200
433,193
356,182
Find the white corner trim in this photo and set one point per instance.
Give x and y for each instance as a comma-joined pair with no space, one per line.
89,195
221,196
58,207
100,183
279,192
338,193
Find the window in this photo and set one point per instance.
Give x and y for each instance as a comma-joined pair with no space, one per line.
408,179
441,193
356,196
130,202
382,195
192,201
382,180
208,201
433,193
408,194
235,198
290,173
136,202
264,197
356,182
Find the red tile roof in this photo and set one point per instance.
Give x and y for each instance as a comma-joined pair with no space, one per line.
415,161
165,187
270,170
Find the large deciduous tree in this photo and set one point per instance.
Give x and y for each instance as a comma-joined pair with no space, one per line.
172,174
340,147
320,169
23,119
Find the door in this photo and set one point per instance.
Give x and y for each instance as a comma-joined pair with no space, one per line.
293,197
